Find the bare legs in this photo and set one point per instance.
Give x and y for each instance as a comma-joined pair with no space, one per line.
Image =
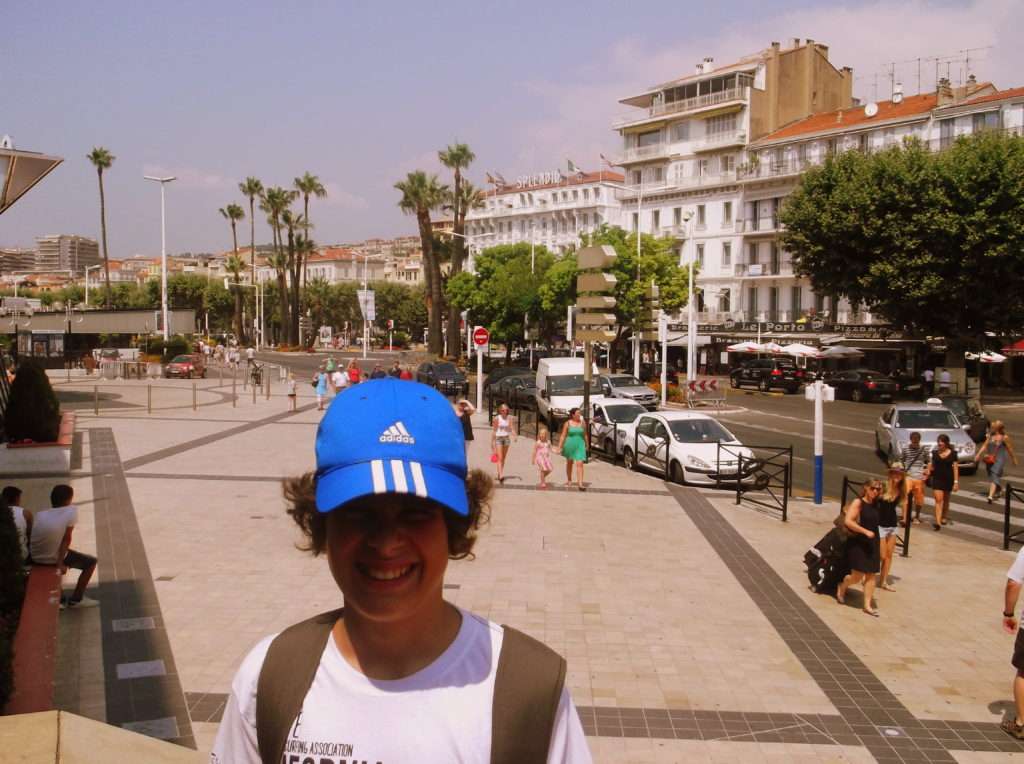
502,455
857,577
579,474
941,503
886,548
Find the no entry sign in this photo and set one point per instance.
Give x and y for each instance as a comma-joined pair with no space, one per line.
481,336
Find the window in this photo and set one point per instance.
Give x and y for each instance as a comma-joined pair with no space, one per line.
658,174
774,258
700,256
728,162
575,195
989,120
655,221
889,137
701,215
702,168
677,216
801,152
773,303
636,221
586,194
863,142
597,194
947,130
726,214
680,131
724,123
726,254
752,302
796,300
637,177
586,219
725,300
752,254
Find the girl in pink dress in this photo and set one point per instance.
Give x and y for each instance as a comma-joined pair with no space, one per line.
542,455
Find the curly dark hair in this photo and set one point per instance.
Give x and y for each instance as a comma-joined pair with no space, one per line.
300,494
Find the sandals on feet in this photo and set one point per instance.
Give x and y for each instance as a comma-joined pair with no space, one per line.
841,595
1011,728
873,613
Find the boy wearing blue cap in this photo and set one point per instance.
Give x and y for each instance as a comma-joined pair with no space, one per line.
398,674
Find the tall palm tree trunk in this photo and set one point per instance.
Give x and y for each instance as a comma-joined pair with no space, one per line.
238,310
458,252
435,343
108,297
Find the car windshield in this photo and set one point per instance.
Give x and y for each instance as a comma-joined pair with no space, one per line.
445,368
939,419
699,431
624,380
182,359
623,414
570,384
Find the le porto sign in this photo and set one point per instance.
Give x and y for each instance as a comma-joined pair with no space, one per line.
813,326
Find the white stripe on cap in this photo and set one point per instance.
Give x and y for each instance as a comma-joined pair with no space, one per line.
417,478
377,471
398,474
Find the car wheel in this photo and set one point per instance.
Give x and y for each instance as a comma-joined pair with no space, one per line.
676,473
762,385
627,459
735,382
856,395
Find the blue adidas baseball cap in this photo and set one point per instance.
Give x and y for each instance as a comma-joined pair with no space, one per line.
390,436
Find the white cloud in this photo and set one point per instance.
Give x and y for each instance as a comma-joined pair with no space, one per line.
577,110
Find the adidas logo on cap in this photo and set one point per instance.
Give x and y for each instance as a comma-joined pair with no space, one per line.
397,433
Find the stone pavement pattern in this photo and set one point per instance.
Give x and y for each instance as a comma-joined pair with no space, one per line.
686,621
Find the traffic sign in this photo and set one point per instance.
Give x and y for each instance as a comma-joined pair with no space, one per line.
481,336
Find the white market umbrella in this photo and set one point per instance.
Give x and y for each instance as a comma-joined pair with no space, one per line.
990,356
841,351
744,347
770,347
800,350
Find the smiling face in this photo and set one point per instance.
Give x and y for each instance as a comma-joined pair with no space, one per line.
388,554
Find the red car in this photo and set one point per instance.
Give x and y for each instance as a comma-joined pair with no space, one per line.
186,367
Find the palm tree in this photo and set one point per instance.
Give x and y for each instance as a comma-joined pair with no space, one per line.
235,265
293,222
102,160
456,157
422,193
279,263
308,185
252,188
233,213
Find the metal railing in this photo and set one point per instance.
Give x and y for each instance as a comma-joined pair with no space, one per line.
684,105
640,153
903,542
1013,497
764,479
717,140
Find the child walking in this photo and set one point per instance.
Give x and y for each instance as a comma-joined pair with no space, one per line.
542,455
292,392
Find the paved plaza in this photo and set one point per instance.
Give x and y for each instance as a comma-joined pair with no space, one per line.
687,623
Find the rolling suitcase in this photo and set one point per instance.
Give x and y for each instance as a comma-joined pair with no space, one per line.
826,562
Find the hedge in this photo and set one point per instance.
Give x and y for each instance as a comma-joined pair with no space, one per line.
33,412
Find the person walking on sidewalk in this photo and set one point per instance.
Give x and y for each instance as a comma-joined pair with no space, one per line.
893,495
542,454
861,519
945,474
916,459
51,544
464,410
320,382
399,674
1013,725
572,445
995,452
293,393
503,432
354,374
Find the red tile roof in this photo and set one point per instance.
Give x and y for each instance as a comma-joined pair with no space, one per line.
997,96
843,119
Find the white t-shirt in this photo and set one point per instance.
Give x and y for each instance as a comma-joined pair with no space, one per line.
250,353
22,525
929,375
48,529
339,379
945,377
1016,571
439,714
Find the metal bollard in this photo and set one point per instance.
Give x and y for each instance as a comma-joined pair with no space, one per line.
234,394
149,399
266,383
194,396
96,400
254,393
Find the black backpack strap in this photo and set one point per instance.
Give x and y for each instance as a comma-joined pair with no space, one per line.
527,689
286,676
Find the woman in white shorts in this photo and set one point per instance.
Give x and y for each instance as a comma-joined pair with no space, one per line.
894,494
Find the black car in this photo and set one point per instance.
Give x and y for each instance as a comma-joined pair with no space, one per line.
443,375
969,412
517,390
768,373
863,385
498,373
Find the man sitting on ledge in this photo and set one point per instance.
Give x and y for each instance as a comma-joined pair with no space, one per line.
51,544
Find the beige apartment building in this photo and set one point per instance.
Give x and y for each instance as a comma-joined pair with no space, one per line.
66,252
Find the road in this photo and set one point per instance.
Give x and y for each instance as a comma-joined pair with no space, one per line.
772,419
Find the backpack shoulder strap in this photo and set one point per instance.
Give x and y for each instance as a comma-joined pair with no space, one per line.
287,673
527,688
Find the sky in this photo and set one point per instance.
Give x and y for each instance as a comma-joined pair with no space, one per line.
360,94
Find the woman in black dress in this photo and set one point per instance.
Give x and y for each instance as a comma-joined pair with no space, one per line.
862,548
945,474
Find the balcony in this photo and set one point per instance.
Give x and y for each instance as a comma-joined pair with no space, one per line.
644,153
770,270
759,225
629,194
696,103
785,168
720,140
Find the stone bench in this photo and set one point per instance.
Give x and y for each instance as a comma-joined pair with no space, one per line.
36,458
35,642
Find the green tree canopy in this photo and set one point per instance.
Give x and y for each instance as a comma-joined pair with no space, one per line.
918,237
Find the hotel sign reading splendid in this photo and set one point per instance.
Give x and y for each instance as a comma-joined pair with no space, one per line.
540,179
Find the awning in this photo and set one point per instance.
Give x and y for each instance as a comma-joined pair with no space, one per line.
19,171
680,341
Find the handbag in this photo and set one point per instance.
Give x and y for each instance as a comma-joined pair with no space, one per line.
990,459
494,457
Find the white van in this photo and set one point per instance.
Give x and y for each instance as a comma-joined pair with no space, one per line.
560,388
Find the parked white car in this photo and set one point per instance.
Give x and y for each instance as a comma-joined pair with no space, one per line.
612,424
689,442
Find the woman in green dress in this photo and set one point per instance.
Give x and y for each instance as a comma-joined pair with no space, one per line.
573,446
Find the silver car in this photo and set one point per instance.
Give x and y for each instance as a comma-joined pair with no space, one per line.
629,387
611,425
892,432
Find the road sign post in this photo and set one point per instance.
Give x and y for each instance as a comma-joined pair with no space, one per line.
481,338
595,322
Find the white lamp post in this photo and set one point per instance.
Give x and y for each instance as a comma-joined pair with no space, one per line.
87,269
163,251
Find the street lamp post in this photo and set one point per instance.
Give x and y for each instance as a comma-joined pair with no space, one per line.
639,213
691,332
87,269
163,251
